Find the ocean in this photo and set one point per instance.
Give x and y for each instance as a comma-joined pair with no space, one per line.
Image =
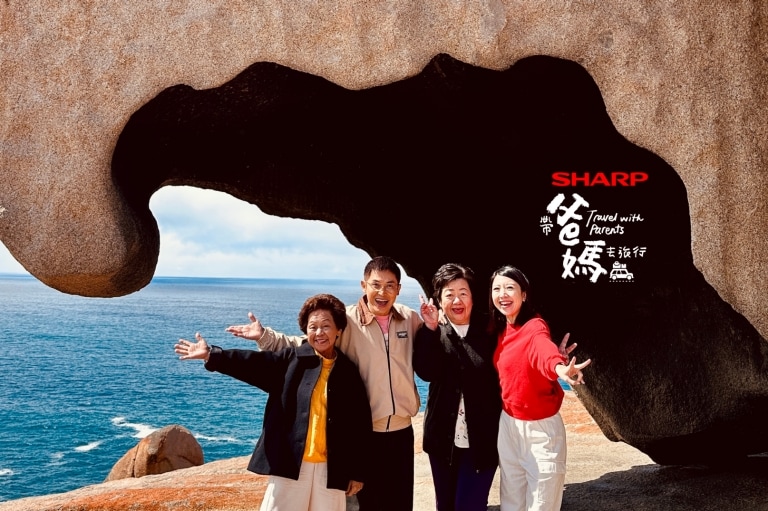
84,379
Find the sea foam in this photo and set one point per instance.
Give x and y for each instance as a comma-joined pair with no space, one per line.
229,439
142,430
57,458
88,447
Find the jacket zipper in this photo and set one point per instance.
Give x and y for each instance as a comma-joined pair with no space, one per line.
389,371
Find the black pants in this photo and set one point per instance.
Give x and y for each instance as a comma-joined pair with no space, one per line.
389,485
458,486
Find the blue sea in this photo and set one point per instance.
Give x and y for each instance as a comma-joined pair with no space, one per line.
84,379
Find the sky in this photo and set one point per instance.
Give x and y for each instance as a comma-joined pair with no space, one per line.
204,233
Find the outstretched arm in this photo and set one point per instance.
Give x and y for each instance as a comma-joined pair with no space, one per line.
265,337
262,369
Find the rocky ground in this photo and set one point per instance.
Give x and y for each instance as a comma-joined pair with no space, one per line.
602,476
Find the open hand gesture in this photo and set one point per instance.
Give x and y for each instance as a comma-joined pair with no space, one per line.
252,331
192,350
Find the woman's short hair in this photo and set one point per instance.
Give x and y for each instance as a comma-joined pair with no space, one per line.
324,302
448,273
498,321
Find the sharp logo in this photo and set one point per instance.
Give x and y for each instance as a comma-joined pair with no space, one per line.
609,179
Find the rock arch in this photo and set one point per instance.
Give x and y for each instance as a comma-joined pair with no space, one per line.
481,154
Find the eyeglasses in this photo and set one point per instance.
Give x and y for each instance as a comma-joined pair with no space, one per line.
378,286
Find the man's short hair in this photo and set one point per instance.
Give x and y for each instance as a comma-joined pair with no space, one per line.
382,263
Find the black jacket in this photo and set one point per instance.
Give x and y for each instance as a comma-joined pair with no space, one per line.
453,366
289,376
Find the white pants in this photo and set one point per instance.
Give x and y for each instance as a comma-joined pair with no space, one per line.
308,493
532,461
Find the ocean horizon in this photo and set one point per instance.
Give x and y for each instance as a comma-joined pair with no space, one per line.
86,378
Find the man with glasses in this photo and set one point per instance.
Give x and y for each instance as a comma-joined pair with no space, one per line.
379,339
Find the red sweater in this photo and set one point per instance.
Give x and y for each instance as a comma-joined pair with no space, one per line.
525,359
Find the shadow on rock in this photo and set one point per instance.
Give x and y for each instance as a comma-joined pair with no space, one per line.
678,488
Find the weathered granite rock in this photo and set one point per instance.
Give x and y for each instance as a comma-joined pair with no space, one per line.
223,485
674,90
601,476
170,448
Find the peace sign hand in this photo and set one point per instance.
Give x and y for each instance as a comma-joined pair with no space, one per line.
571,373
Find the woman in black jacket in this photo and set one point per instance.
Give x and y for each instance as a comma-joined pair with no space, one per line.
317,419
461,422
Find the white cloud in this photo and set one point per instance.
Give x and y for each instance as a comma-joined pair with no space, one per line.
204,233
219,219
8,264
211,234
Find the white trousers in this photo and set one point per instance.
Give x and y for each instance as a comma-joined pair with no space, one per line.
532,461
308,493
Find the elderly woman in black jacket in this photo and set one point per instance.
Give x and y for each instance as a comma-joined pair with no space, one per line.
461,422
317,419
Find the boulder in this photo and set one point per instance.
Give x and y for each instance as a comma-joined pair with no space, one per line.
170,448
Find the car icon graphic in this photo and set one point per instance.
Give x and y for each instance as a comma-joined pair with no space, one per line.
621,274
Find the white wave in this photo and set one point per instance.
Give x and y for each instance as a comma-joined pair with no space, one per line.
142,430
6,472
229,439
56,459
88,447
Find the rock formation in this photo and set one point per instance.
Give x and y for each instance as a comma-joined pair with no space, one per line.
601,476
616,153
170,448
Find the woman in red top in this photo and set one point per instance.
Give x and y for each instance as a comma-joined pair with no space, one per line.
532,449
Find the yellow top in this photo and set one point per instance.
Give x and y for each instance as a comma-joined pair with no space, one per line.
315,449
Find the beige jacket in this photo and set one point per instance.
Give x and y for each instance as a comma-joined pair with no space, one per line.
387,371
